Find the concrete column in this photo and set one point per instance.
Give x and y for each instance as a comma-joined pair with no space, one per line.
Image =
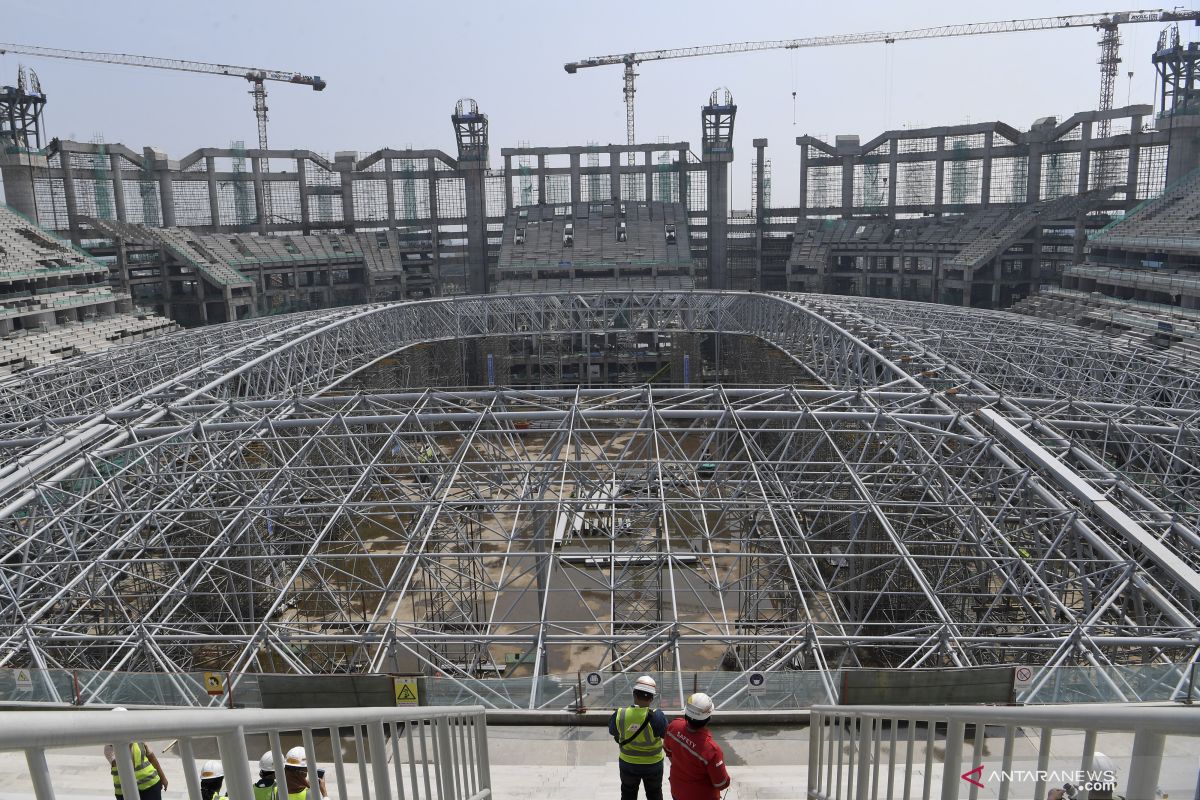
847,186
803,179
302,188
1085,157
68,176
1033,187
614,175
260,213
985,191
508,195
1183,154
214,199
1131,173
434,216
477,249
541,179
17,171
939,174
893,172
343,162
118,186
649,173
576,189
718,223
390,188
166,196
760,210
683,177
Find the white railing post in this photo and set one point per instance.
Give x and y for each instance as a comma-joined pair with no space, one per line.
483,767
187,758
862,781
1144,764
379,766
814,753
125,770
444,759
953,761
238,783
39,773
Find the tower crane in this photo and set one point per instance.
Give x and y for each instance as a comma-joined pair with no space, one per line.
256,76
1107,23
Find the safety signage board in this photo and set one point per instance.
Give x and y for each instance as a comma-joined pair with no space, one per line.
594,679
214,683
24,680
756,683
406,692
1022,679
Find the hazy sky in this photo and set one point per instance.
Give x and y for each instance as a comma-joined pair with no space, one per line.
396,69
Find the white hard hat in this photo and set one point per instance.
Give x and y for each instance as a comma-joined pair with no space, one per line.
296,757
267,762
211,769
119,708
1102,763
699,706
645,684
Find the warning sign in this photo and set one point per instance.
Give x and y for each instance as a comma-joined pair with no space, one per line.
756,683
1022,679
24,680
406,692
214,683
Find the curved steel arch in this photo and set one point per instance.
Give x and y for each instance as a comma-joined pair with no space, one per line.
231,513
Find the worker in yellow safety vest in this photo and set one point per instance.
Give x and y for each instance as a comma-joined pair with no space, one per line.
151,780
638,731
264,787
295,774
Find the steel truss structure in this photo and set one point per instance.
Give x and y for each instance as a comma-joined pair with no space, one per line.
947,487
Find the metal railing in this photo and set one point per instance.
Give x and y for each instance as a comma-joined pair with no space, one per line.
866,752
406,754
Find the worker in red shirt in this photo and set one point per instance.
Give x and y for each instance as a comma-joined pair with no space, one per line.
697,763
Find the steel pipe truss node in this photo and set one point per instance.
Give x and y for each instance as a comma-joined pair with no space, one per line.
943,487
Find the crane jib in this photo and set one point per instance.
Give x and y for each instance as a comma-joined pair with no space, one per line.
1106,21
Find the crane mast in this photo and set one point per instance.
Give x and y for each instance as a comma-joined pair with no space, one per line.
1106,22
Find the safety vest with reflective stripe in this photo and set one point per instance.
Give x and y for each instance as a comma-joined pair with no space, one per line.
646,747
264,792
143,770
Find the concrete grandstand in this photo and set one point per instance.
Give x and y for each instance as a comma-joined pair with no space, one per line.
56,300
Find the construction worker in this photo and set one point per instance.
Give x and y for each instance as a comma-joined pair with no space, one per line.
1103,776
264,787
425,458
697,763
295,775
638,731
212,775
151,779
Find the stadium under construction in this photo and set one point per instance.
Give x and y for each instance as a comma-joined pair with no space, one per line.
265,411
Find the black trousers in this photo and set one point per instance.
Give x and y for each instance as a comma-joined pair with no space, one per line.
153,793
633,775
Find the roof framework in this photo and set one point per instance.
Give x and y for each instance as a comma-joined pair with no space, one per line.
950,487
